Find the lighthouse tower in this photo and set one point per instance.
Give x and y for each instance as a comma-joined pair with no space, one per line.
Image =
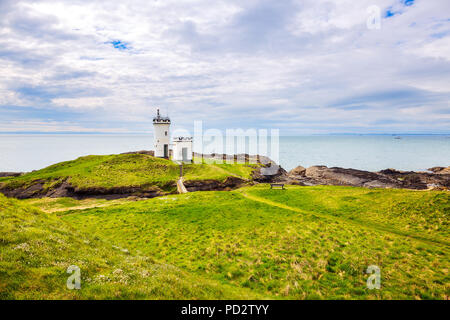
161,135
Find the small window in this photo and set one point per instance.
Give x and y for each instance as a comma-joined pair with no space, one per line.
166,133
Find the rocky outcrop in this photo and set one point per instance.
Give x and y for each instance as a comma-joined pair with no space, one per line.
440,170
39,189
389,178
147,152
230,183
299,171
35,190
269,173
10,174
418,180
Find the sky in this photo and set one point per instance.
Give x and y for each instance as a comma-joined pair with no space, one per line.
301,66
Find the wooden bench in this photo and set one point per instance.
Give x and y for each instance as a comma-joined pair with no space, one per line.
277,185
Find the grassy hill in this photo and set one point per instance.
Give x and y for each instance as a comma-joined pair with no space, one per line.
220,172
254,242
301,243
36,248
124,170
418,214
104,171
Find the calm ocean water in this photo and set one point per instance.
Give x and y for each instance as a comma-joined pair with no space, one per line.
20,152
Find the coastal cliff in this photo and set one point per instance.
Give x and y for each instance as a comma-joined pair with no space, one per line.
139,174
132,174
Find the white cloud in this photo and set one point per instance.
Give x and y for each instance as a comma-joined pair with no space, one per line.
276,62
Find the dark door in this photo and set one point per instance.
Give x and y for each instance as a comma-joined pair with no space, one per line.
185,151
166,151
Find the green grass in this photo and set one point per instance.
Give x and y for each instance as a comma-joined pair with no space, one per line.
217,171
105,171
421,214
36,249
64,204
301,243
125,170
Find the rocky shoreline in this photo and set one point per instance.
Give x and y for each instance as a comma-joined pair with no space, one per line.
435,178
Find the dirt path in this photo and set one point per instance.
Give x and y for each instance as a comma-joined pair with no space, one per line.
86,206
180,186
370,226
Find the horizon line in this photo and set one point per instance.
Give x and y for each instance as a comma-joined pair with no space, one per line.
281,135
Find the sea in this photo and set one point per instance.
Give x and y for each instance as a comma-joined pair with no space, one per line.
27,152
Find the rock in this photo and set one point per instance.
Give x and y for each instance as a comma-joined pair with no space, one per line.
315,171
64,189
440,170
230,183
118,192
341,176
147,152
273,171
389,178
417,180
380,184
391,171
295,183
269,173
299,171
202,185
35,190
10,174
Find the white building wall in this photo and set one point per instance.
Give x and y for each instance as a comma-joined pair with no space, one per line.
161,138
178,145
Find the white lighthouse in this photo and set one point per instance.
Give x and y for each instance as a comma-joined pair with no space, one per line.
161,135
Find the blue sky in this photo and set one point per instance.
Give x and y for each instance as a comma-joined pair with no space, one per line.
305,67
